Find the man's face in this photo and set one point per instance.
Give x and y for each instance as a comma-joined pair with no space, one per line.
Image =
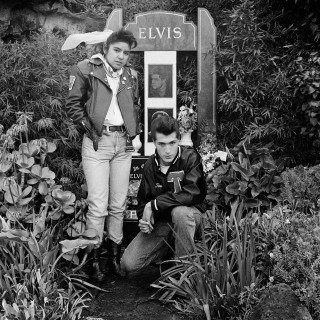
156,81
118,54
167,147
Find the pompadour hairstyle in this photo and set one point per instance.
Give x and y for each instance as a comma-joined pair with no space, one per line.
164,124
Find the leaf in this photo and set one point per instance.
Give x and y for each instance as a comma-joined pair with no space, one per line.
10,198
237,188
36,170
24,201
47,173
51,147
311,89
68,209
43,188
313,121
56,215
5,166
252,203
68,245
32,181
71,257
26,191
255,191
245,173
90,233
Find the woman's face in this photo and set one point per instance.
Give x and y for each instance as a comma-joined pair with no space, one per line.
117,55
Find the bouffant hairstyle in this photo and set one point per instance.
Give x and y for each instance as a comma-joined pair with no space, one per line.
121,35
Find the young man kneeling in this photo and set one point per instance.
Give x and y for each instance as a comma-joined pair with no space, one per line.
171,196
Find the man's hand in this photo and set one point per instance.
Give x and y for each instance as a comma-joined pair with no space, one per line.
145,227
147,221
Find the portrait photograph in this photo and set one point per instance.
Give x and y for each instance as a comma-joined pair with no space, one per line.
153,114
160,81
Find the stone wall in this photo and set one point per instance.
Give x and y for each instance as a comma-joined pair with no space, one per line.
20,16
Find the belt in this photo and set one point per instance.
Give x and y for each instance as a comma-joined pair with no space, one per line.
114,128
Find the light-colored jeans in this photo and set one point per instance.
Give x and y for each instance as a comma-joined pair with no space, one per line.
147,248
107,174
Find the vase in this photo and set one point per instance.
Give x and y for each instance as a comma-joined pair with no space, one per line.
186,139
136,143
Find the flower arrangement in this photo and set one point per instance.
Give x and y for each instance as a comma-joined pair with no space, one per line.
187,118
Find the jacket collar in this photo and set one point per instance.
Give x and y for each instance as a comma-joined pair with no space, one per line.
157,158
100,73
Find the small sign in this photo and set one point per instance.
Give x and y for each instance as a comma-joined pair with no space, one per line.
134,184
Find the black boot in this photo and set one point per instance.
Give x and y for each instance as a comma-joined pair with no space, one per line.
114,252
96,274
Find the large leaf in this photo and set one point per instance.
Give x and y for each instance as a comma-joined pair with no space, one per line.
63,197
26,191
252,203
47,173
72,256
68,245
5,166
68,209
90,233
16,234
25,162
43,188
237,188
245,173
29,149
36,170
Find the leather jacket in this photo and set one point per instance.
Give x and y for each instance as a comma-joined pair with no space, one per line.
183,185
90,96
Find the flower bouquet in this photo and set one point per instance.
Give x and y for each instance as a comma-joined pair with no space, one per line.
187,118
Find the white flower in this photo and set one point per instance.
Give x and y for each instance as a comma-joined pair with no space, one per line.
271,279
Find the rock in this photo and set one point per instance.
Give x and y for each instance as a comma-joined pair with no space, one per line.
19,16
279,302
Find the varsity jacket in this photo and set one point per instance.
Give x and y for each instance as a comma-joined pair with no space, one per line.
90,96
183,185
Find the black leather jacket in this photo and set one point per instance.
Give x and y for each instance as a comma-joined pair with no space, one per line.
90,96
183,185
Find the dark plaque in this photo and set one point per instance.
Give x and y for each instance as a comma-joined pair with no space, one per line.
134,183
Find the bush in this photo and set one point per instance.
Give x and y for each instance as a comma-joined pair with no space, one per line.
249,179
301,189
34,81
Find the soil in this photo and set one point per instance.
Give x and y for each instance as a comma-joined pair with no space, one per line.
129,299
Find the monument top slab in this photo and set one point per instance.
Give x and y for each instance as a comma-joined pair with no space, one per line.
163,31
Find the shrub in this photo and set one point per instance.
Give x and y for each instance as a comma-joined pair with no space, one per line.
301,189
249,179
34,81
